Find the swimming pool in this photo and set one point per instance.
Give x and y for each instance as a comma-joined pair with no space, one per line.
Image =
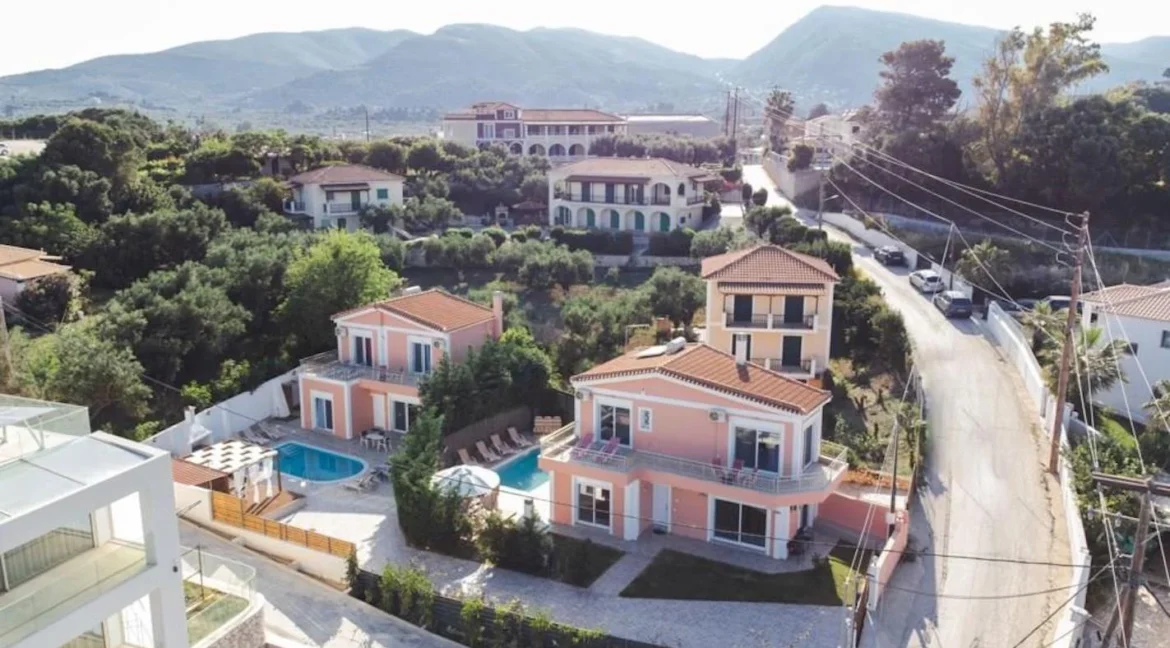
522,472
315,464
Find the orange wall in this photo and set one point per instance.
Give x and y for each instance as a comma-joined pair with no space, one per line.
679,430
471,337
850,513
396,342
340,407
564,498
688,513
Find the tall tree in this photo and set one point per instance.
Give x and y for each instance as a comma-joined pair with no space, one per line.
1158,407
819,110
981,260
675,294
340,271
777,112
1025,75
916,86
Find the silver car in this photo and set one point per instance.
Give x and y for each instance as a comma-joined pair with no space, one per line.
927,281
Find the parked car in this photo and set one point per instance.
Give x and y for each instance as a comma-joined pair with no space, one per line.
927,281
889,255
952,303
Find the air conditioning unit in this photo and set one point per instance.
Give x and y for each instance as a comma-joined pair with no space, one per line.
717,415
438,344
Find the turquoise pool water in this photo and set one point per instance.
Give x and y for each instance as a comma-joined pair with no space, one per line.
314,464
522,473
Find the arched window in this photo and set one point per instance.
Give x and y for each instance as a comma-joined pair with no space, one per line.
556,150
536,149
577,149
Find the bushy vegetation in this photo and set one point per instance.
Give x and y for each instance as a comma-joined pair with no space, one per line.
597,241
685,150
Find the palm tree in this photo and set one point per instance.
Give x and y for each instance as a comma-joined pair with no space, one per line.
1096,365
981,260
1046,325
1158,408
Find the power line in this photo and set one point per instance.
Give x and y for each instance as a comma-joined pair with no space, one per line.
1062,605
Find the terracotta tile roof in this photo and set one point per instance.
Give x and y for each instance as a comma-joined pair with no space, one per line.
708,367
767,263
185,472
626,167
1145,302
567,115
13,254
343,174
435,308
31,269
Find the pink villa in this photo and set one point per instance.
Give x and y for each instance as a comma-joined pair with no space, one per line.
383,350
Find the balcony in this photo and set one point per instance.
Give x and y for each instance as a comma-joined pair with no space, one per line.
563,446
660,200
806,368
294,207
341,208
326,365
775,321
600,200
36,604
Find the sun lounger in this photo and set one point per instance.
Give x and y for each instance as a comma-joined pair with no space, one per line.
518,439
367,481
583,443
485,452
466,458
253,437
502,447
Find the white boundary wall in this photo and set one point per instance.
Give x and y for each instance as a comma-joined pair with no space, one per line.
224,420
1014,344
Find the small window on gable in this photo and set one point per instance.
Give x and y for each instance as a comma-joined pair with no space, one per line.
509,114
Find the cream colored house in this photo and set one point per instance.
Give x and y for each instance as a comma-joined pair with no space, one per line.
776,303
334,196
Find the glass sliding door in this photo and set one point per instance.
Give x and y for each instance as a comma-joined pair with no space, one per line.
740,523
757,449
593,505
614,421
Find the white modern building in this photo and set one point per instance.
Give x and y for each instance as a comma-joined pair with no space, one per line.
89,541
837,132
333,196
637,194
22,267
1140,315
692,125
562,135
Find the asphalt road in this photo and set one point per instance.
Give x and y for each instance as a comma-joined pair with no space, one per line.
987,492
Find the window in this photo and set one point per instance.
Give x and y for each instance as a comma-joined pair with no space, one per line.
383,194
593,502
614,421
363,350
1166,339
509,114
808,445
739,523
420,357
323,413
404,415
757,449
645,419
1133,348
38,556
328,196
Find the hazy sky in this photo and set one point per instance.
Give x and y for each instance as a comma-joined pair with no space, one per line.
57,33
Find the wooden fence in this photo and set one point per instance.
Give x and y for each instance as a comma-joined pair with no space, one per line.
233,510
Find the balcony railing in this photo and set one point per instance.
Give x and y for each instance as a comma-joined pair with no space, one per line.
326,365
563,445
294,207
32,606
770,321
696,199
805,368
339,208
660,200
601,200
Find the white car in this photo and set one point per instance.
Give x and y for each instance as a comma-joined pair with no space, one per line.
927,281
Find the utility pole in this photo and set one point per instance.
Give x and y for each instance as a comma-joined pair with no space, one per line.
1124,613
1074,293
820,163
367,110
735,114
727,116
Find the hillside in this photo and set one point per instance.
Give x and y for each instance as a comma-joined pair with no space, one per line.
831,55
460,64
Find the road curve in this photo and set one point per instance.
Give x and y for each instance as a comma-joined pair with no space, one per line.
987,491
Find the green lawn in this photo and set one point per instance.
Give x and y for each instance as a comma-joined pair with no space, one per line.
208,609
566,551
677,575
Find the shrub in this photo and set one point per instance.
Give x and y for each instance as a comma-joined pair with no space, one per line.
717,241
496,234
801,158
52,300
746,192
674,243
524,547
471,616
465,232
519,237
613,276
760,197
595,241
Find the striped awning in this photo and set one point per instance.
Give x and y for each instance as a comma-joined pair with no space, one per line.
741,288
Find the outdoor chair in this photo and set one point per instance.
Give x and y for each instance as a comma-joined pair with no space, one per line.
269,432
466,458
518,439
736,469
486,452
748,477
252,437
583,443
502,447
609,450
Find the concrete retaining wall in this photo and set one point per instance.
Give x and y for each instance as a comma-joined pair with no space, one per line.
789,183
881,569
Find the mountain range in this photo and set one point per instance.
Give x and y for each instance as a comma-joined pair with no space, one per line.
830,55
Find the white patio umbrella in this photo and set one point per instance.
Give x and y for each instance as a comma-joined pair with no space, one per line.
468,481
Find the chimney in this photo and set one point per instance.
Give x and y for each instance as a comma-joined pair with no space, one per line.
498,311
741,344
